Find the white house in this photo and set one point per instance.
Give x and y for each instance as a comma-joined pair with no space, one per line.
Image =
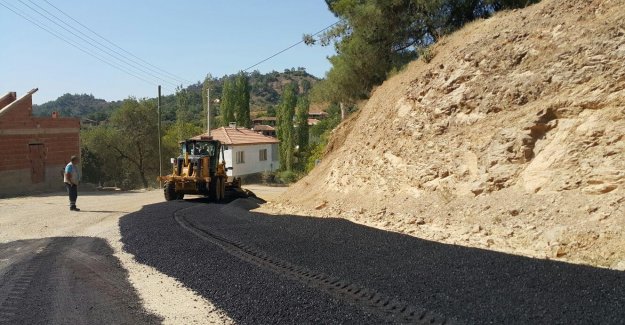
247,152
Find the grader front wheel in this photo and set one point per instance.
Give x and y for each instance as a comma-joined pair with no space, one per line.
170,191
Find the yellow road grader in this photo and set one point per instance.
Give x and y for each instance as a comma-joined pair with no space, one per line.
197,170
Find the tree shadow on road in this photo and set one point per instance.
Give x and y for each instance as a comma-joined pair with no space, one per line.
473,285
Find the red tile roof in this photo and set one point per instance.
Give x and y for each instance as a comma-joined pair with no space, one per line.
261,127
234,136
313,121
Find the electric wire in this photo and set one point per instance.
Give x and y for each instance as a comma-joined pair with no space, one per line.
137,70
78,47
123,57
290,47
165,72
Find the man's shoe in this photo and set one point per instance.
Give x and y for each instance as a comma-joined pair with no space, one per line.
74,209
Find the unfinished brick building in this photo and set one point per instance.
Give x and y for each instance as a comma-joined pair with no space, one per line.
33,150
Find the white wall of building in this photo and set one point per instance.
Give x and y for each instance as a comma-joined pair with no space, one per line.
251,154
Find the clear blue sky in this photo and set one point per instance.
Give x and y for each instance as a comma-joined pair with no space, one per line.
187,38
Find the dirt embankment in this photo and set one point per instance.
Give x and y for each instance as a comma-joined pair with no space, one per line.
512,138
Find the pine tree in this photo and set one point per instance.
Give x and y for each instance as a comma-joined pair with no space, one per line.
374,37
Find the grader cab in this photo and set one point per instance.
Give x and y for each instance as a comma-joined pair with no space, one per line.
197,170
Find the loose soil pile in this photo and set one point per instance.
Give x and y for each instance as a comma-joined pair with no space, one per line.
511,138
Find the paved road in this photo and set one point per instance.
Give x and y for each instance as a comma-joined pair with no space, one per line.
66,280
264,269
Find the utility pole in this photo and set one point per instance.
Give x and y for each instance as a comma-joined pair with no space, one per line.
160,153
208,111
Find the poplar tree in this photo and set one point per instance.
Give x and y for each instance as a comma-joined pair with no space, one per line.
228,102
242,105
303,105
285,130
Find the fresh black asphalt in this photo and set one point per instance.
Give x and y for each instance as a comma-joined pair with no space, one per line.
471,285
248,294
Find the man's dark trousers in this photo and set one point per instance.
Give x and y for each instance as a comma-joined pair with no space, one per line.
72,190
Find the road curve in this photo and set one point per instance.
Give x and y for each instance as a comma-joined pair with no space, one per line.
271,269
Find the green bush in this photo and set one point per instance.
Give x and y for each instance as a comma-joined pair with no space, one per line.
287,177
268,177
427,54
316,153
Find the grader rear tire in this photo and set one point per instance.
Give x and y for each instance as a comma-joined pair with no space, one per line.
217,189
221,188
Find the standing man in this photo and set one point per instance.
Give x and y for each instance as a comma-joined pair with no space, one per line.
71,177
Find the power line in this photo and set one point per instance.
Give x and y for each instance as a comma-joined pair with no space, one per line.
36,23
137,69
117,46
290,47
126,59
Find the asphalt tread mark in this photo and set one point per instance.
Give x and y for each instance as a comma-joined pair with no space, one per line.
14,288
334,286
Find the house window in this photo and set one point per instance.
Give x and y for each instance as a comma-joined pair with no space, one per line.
262,154
240,157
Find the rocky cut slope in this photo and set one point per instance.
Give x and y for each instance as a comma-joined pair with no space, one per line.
512,137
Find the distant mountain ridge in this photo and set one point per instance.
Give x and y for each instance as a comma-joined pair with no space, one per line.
266,90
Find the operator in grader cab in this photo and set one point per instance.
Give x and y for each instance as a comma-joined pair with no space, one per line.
203,148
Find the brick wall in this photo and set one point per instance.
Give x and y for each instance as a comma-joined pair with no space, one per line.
7,99
19,129
19,115
58,149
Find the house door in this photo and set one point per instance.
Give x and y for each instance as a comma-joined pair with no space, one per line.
37,162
